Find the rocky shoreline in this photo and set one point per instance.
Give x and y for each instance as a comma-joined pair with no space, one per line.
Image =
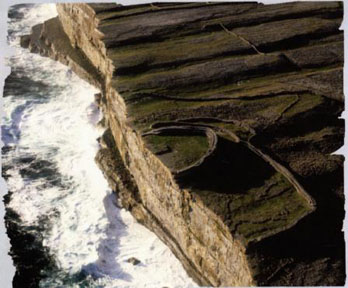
220,120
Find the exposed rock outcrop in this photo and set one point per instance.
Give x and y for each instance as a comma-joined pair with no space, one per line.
221,119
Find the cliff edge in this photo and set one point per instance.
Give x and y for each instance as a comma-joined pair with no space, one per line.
220,123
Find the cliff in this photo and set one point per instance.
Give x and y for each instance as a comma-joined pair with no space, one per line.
220,123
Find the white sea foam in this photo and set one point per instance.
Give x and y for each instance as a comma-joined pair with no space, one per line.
85,231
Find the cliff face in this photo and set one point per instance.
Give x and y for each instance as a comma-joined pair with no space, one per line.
221,119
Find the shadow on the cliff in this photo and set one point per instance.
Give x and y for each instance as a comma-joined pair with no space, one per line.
109,248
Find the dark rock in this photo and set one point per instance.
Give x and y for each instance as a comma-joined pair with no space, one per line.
98,98
133,261
25,41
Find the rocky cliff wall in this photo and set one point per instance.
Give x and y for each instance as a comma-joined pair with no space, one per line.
152,178
213,139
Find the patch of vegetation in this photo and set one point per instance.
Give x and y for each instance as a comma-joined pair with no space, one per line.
272,215
177,51
178,151
306,103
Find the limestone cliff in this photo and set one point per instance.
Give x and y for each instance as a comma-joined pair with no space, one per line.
220,123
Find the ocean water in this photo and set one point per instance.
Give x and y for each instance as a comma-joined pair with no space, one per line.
65,228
